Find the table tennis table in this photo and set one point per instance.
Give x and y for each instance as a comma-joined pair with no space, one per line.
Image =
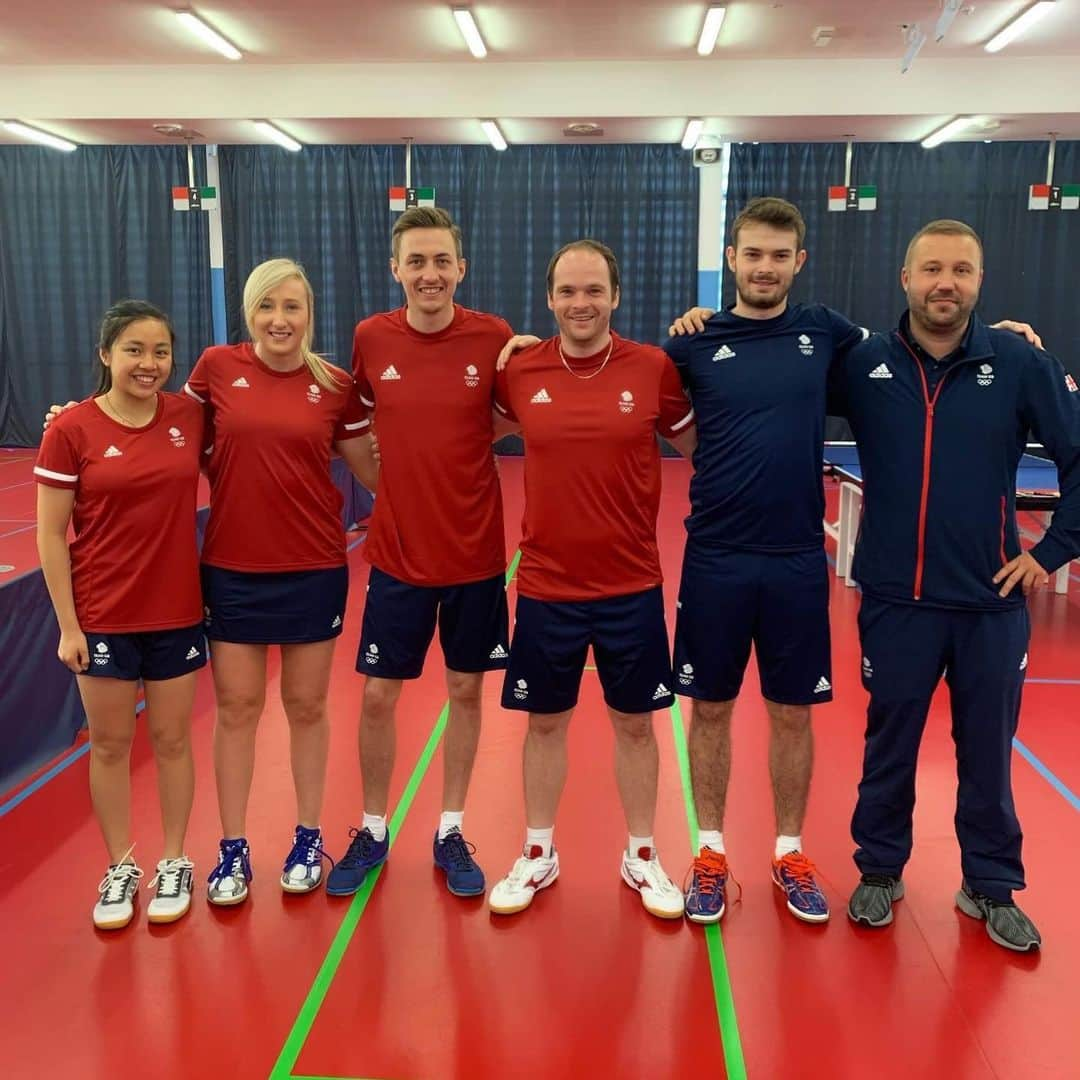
1037,490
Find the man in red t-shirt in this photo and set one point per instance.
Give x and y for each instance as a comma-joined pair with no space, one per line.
590,405
435,543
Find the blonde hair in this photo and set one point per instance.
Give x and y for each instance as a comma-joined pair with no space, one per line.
266,277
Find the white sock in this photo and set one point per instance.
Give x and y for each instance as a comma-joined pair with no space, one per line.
450,819
785,845
639,842
377,825
713,839
541,838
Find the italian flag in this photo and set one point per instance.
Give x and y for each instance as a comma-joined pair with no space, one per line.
402,198
207,198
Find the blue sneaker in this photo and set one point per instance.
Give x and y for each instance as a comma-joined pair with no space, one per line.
302,871
228,881
794,873
364,854
706,898
454,856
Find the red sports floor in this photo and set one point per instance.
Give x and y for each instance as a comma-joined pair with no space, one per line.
406,982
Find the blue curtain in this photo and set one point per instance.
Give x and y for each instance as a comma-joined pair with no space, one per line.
79,231
326,207
855,257
517,207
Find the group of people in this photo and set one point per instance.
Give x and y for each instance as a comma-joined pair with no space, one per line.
744,393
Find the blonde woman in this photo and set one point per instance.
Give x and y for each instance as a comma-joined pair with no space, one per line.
273,562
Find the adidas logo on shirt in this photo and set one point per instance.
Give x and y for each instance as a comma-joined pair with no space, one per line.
242,383
113,452
723,353
192,653
498,653
661,692
390,373
881,372
541,397
823,685
336,623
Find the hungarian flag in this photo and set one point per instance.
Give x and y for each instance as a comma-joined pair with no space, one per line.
401,198
1053,197
184,198
853,198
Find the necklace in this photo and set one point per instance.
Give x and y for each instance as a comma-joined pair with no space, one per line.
591,375
126,419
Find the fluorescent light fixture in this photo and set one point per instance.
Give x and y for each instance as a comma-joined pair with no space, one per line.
915,38
495,136
949,131
949,10
693,132
470,32
208,35
264,127
24,131
710,28
1019,25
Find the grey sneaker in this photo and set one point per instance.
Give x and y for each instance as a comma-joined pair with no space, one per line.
1006,924
871,903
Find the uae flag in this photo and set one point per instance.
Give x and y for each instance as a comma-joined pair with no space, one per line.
184,198
401,198
853,198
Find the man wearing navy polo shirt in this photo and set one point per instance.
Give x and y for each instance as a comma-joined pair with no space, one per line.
754,569
941,410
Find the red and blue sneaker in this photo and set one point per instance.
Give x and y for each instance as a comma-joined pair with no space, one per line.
794,873
706,897
454,856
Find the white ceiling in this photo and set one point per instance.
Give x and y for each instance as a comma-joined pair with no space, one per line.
340,71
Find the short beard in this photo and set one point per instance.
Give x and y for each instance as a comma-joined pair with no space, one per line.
762,304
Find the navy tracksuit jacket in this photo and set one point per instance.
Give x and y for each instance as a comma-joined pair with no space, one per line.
939,445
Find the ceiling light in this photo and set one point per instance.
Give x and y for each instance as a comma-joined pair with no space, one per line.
1019,25
495,136
949,131
822,36
693,132
34,135
264,127
915,38
208,35
710,28
470,32
949,10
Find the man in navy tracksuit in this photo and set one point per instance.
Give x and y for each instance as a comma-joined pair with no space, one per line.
941,410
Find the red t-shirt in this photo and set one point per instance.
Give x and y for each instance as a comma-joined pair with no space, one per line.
438,508
592,466
273,506
134,561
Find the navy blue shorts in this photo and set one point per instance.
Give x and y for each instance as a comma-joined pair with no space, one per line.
290,608
629,640
729,600
400,620
148,654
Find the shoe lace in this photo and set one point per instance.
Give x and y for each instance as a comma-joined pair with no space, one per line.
359,848
801,871
458,850
711,873
115,882
233,861
307,848
167,878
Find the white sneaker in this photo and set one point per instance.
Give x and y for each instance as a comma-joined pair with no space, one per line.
659,894
173,897
529,874
116,900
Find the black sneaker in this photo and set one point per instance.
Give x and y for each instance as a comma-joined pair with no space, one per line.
871,903
1006,924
